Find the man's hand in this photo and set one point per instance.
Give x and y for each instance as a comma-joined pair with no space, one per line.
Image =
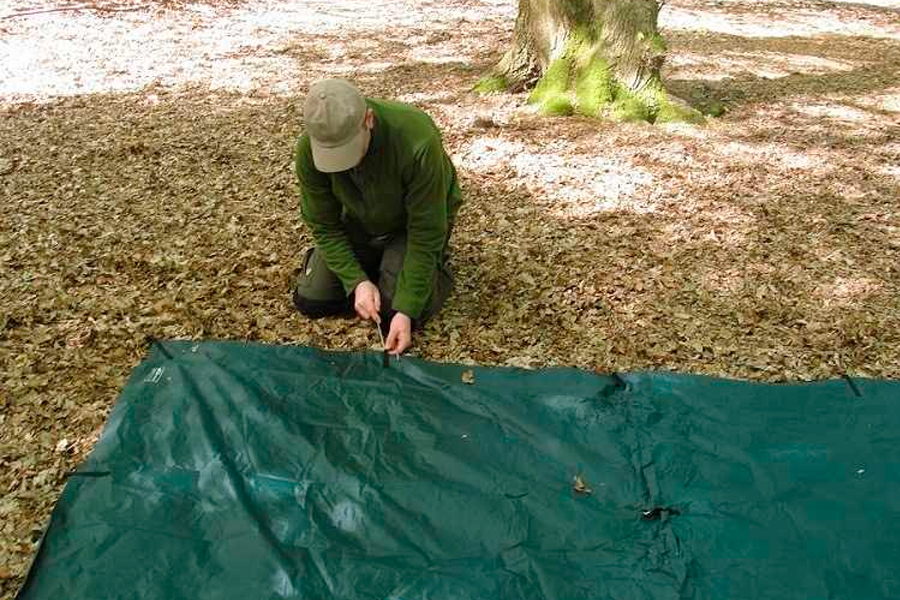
367,302
400,336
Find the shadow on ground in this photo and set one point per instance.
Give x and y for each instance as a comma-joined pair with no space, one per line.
869,66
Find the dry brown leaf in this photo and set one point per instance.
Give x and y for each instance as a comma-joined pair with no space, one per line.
580,487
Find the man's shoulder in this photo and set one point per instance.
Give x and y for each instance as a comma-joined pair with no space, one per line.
399,115
304,166
303,144
408,128
303,150
395,107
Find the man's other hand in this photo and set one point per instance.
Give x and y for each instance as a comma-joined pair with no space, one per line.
400,336
367,302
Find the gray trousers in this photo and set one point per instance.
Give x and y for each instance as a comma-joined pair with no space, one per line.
319,293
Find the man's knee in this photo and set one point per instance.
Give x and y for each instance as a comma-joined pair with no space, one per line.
391,265
318,292
393,257
389,273
316,309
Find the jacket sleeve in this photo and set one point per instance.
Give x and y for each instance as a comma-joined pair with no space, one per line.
321,211
429,177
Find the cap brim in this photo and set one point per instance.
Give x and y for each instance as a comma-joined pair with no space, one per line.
339,158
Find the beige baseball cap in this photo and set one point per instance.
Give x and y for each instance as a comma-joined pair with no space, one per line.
334,113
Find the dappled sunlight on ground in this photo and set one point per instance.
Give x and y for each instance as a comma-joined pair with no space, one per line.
834,111
760,64
891,171
782,18
845,291
888,101
574,185
271,45
771,153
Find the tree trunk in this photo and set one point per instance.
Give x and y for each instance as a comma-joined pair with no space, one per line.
595,57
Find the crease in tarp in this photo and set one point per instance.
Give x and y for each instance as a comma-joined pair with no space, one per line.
159,346
238,481
852,385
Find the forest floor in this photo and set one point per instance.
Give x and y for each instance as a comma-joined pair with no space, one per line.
147,192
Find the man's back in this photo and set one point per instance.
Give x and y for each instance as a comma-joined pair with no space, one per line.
406,148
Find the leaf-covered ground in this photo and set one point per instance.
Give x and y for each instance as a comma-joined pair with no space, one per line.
147,191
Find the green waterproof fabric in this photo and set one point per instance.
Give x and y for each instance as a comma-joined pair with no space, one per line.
235,471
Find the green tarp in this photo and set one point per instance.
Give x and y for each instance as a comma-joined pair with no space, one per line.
236,471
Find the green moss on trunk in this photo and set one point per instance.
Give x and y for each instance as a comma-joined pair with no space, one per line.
491,84
551,93
666,110
628,107
654,42
593,87
579,80
669,112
